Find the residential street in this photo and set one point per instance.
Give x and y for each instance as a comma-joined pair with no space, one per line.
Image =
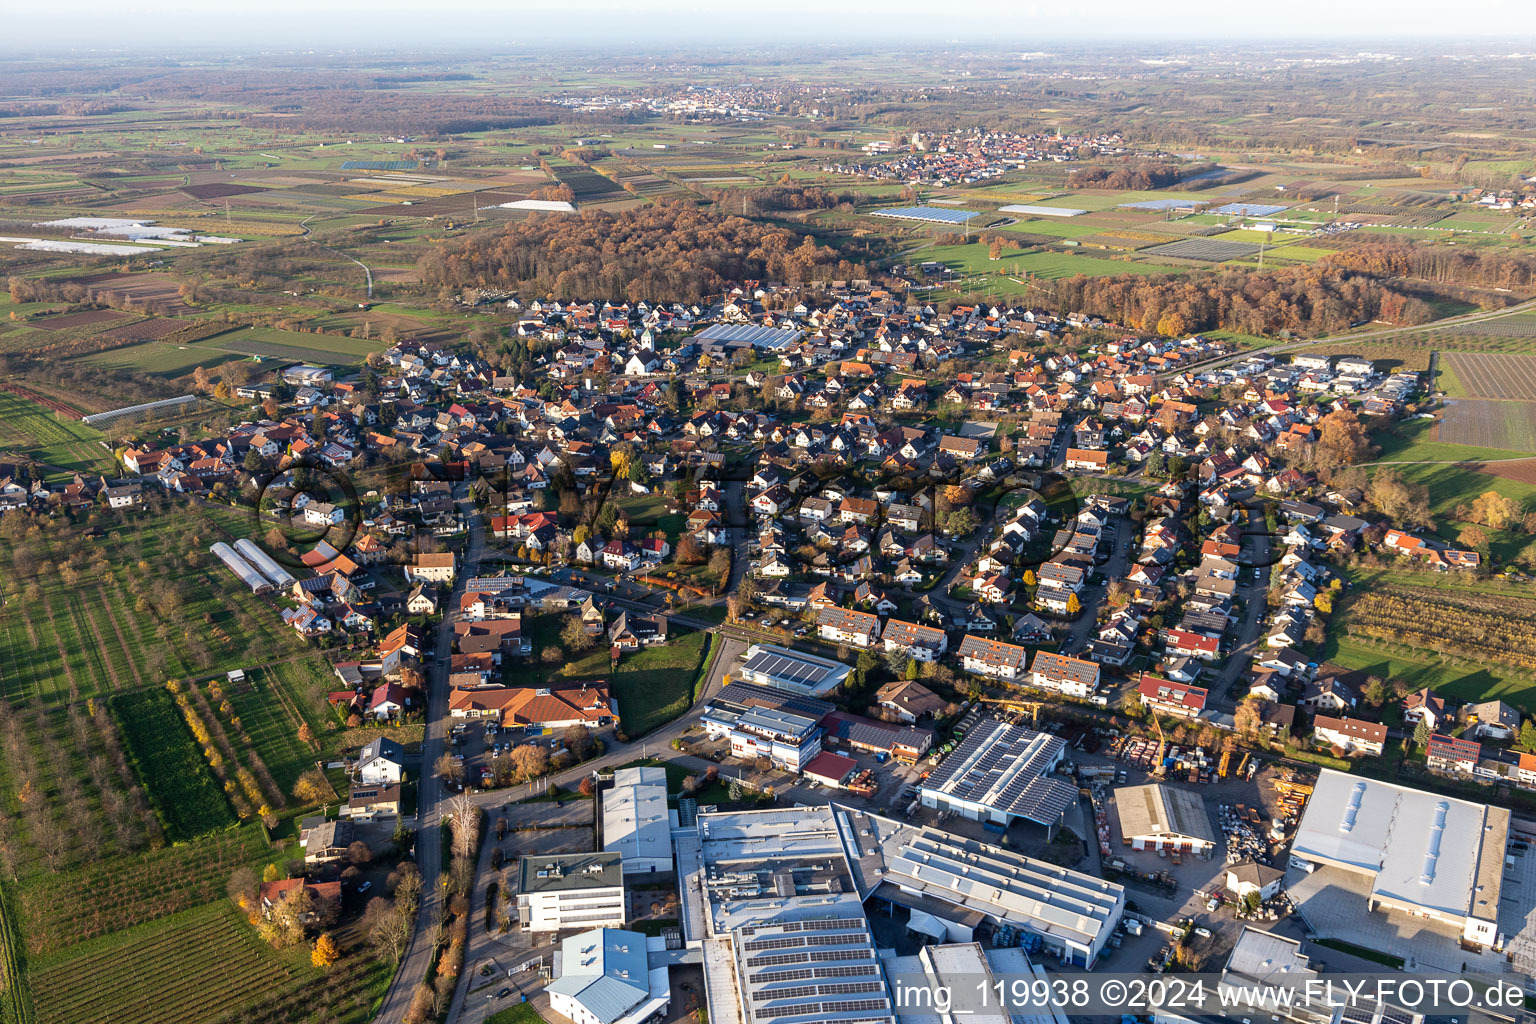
1251,630
431,797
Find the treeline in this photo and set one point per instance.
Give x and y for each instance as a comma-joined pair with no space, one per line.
667,252
1303,300
798,197
1129,174
1442,265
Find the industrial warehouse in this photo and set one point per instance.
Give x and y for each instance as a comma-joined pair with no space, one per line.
1407,851
952,886
1000,774
770,898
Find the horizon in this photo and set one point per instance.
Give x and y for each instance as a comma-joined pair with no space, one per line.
94,25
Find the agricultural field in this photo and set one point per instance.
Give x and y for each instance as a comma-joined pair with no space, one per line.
1208,250
160,358
36,432
181,787
974,259
66,775
108,895
164,970
1485,375
90,619
271,343
1484,423
1476,645
267,721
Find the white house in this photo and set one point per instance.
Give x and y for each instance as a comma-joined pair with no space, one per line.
380,763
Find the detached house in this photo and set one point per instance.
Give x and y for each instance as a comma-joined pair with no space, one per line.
1350,734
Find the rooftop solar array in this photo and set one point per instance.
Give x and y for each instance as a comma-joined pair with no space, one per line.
756,335
742,695
1163,204
1003,767
1249,209
789,671
379,165
928,213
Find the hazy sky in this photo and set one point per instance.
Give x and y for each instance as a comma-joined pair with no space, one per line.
478,24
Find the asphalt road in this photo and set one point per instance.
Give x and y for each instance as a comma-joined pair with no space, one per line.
432,797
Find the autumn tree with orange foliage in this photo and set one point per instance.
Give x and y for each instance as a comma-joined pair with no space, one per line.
667,251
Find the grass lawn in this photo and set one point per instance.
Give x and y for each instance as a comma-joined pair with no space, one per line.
651,687
1464,680
522,1013
655,686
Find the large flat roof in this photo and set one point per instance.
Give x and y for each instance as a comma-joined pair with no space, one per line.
775,889
635,823
562,872
967,873
793,671
1003,767
1421,849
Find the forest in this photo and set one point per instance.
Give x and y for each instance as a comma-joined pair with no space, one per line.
667,252
1369,282
1137,174
1302,300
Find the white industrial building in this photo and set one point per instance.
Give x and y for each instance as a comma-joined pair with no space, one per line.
971,977
636,822
571,890
784,669
1420,853
789,740
769,898
953,885
1001,773
604,976
1160,817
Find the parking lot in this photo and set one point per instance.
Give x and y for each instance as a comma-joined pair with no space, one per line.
478,742
892,777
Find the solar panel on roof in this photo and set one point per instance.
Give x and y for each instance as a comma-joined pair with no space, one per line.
928,213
